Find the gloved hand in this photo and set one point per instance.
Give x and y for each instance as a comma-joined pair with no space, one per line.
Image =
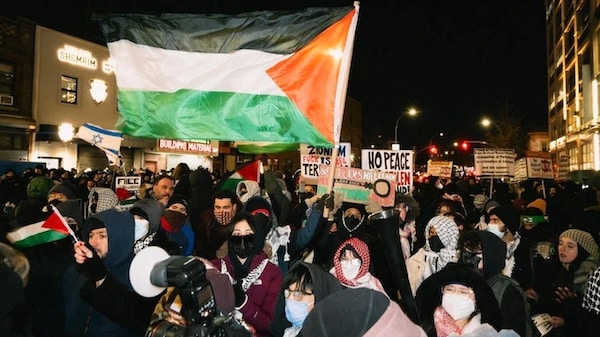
93,267
329,203
373,206
321,203
240,295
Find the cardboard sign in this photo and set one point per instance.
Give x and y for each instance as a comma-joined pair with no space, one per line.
495,162
311,157
399,162
439,168
538,167
360,186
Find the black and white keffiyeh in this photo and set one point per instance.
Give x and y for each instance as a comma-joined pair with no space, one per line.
591,299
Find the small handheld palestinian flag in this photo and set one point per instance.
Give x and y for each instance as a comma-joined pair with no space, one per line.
58,223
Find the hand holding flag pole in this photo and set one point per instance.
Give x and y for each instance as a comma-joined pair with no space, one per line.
58,223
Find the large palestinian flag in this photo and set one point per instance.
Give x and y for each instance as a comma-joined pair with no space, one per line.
261,76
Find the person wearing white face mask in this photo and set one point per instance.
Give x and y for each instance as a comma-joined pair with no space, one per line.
456,301
504,222
351,263
146,214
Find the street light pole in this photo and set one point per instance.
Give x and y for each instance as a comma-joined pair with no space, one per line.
410,112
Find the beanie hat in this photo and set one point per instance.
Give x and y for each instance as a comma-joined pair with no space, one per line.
61,188
509,216
491,203
178,199
39,187
540,204
533,215
150,210
479,200
583,238
348,309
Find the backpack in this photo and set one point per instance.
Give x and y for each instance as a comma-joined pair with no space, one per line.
504,282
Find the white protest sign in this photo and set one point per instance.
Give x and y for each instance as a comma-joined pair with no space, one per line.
400,162
563,168
495,162
541,168
439,168
520,170
311,157
132,185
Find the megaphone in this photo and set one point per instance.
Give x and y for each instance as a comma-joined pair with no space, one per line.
147,269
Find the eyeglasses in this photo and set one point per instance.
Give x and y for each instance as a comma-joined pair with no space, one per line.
297,294
452,289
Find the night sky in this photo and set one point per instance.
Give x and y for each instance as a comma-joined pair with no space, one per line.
455,61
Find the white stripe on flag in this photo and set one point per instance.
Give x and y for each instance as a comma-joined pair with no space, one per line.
245,69
95,135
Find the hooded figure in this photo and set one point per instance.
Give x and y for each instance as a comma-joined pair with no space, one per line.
351,263
441,234
256,281
100,199
485,251
247,189
359,312
105,304
436,316
307,278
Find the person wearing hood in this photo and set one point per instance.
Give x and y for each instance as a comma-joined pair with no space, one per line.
351,263
504,222
247,189
304,286
441,237
485,251
174,224
359,312
100,298
147,217
456,301
256,281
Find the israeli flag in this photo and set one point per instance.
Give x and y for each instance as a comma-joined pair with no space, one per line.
108,141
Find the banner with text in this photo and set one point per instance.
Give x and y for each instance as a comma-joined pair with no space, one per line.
130,184
359,186
563,168
495,162
207,148
311,157
399,162
439,168
540,167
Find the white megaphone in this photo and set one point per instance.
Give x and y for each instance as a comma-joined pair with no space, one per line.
146,271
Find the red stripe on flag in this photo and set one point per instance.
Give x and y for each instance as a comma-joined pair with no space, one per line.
310,77
57,223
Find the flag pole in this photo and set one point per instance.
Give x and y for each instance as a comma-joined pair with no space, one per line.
64,222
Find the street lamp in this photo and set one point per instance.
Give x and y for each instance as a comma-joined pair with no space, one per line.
411,112
66,132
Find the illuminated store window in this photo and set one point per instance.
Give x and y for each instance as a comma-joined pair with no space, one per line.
7,84
68,89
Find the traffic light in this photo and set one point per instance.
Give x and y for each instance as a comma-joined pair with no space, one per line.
464,146
433,149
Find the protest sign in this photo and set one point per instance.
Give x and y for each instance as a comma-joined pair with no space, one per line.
400,162
311,157
439,168
495,162
130,184
360,186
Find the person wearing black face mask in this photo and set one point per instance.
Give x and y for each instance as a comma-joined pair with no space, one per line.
256,281
174,224
441,237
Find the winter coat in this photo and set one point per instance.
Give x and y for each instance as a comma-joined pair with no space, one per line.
113,308
259,308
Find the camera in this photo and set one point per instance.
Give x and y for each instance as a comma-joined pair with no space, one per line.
187,275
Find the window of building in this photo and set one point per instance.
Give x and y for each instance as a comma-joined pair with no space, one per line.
588,156
7,84
573,165
68,89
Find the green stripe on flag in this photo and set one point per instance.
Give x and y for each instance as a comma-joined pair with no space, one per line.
40,238
220,115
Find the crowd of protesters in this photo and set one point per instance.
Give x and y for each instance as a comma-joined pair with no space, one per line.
482,258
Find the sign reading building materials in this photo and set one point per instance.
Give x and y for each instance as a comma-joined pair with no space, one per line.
311,157
360,186
183,146
495,162
399,162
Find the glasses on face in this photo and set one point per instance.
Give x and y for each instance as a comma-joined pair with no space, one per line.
453,289
296,294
